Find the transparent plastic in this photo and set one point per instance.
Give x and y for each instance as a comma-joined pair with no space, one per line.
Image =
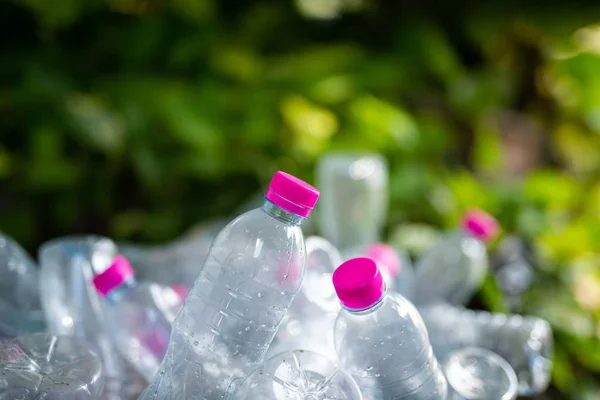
386,350
354,198
249,279
308,324
298,375
139,316
73,307
20,308
452,271
42,366
478,374
524,342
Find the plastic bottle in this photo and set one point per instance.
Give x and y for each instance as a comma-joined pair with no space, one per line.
139,315
43,366
298,375
308,324
394,264
252,273
381,340
474,373
354,195
457,264
73,307
20,308
525,342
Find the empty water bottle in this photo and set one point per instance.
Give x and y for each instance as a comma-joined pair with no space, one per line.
525,342
381,340
43,366
73,307
138,314
457,264
249,279
354,198
298,375
309,321
394,264
474,373
20,308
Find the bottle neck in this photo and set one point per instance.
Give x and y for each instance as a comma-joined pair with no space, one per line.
115,295
280,214
369,309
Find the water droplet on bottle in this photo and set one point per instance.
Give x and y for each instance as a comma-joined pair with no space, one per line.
196,343
247,329
369,368
239,332
283,293
259,295
377,375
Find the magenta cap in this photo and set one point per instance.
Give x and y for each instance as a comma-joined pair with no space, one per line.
386,257
119,271
481,225
358,283
292,194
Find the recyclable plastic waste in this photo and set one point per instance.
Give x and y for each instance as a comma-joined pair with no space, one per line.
354,191
381,340
252,273
298,375
48,367
20,308
524,342
308,324
474,373
454,269
73,307
138,314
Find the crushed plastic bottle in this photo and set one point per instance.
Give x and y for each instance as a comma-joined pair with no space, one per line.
310,318
20,308
354,201
394,264
525,342
298,375
381,340
457,264
139,315
249,279
73,307
43,366
474,373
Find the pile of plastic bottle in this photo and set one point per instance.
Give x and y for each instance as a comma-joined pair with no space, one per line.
253,310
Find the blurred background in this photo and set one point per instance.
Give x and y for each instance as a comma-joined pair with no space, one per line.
137,119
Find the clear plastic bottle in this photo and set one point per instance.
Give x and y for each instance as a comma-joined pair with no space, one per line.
298,375
457,264
252,273
474,373
20,308
308,324
139,315
381,340
525,342
73,307
354,191
43,366
394,264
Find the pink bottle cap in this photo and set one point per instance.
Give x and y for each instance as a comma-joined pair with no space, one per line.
386,257
358,283
292,194
481,225
119,271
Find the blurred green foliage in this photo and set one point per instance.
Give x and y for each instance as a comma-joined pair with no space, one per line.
138,118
